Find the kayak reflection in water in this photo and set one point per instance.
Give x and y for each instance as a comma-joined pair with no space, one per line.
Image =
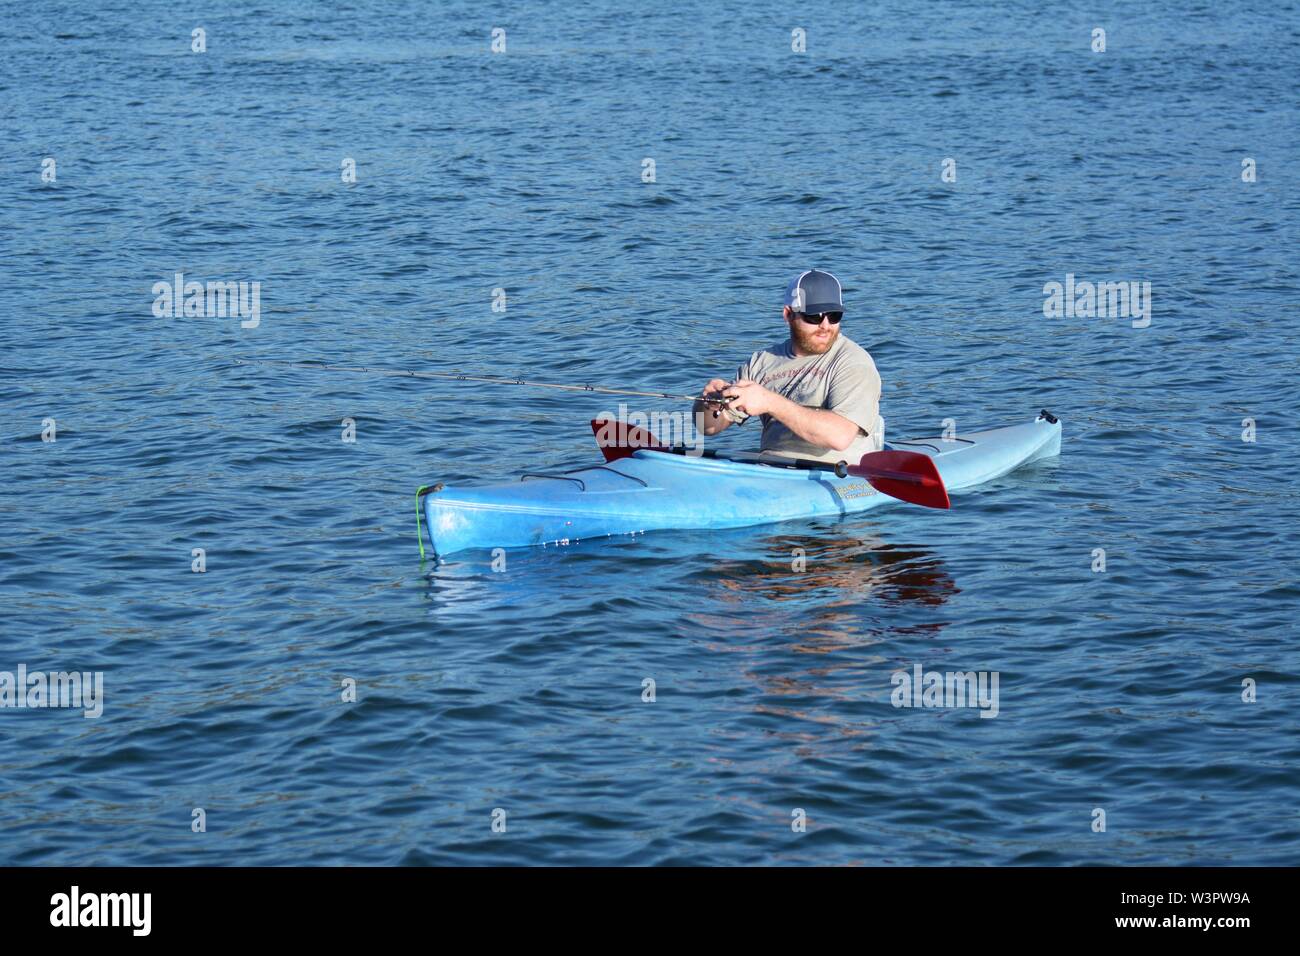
817,393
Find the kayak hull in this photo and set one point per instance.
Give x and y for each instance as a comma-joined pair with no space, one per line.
653,491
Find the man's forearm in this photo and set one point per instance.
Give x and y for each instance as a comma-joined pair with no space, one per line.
705,420
817,426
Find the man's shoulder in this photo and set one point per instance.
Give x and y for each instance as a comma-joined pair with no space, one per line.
851,353
851,349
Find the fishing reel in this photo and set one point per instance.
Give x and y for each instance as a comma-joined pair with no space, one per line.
721,405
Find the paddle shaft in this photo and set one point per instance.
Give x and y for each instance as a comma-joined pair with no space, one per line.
918,488
839,468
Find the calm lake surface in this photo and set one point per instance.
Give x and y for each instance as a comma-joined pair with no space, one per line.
1120,690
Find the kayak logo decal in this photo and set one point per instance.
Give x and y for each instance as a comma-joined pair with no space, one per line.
856,489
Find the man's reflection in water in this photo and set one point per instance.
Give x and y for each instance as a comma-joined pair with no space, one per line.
797,567
847,600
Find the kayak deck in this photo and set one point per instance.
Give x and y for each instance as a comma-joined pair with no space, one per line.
655,490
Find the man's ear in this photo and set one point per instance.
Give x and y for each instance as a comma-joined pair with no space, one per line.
787,312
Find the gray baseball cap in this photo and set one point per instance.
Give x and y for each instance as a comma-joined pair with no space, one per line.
814,292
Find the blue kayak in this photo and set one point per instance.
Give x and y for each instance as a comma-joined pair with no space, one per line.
655,490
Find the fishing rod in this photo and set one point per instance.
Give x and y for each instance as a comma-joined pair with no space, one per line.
715,399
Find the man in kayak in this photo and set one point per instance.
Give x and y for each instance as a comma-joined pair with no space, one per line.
817,393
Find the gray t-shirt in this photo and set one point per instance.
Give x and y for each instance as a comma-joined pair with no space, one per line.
843,379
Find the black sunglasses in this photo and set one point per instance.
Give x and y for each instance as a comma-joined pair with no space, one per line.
832,317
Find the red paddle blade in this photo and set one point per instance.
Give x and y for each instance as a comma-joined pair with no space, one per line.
907,475
619,440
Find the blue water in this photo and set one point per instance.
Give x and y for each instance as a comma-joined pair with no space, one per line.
522,690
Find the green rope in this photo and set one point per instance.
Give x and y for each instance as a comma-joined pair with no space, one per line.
419,532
